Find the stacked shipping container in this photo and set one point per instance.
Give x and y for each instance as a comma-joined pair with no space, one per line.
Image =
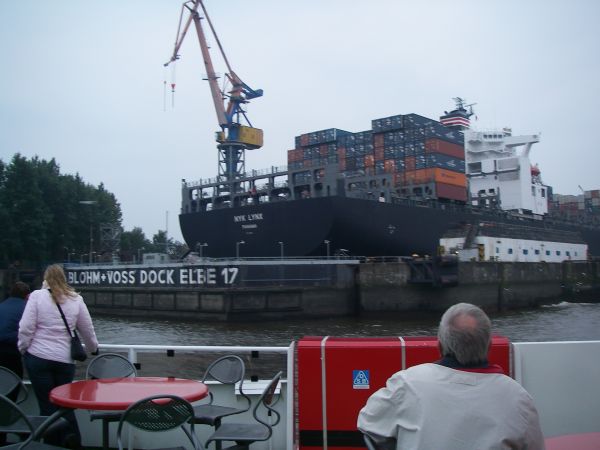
576,206
422,155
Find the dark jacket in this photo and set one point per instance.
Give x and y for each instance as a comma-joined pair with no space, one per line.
11,311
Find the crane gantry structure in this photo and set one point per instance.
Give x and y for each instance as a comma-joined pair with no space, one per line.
234,138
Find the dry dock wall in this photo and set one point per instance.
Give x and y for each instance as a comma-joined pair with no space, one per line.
491,285
343,290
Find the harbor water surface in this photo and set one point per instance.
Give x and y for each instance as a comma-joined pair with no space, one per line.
560,322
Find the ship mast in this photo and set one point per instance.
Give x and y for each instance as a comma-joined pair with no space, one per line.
234,138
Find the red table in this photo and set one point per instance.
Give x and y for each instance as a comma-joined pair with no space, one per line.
115,394
583,441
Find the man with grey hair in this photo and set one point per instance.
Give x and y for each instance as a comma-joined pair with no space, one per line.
459,402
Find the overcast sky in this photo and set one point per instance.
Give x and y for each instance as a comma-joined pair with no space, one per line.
83,82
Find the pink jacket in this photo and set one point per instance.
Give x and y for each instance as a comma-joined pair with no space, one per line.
42,331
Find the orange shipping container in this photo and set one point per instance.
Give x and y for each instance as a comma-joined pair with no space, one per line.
450,177
369,161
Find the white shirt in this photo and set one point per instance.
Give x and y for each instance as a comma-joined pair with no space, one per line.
432,407
42,331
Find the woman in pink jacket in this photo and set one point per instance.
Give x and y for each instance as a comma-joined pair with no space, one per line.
45,342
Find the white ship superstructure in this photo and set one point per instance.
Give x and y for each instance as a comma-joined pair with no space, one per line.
500,172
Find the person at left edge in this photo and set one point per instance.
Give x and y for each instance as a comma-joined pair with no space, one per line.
46,343
11,311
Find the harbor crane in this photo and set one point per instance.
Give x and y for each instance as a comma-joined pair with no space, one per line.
234,138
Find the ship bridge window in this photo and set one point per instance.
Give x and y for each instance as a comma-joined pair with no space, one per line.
533,190
510,251
537,252
525,251
568,253
547,252
557,252
543,191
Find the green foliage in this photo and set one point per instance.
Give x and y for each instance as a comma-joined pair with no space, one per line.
42,217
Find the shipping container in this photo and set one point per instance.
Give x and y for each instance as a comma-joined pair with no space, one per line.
379,152
389,165
435,145
451,192
378,140
369,161
387,123
410,163
450,177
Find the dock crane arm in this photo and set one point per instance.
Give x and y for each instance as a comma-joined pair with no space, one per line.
228,118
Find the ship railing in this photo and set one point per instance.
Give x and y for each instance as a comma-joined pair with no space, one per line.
273,170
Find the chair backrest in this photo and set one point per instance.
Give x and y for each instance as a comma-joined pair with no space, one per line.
11,414
160,413
110,365
369,442
266,400
228,369
10,382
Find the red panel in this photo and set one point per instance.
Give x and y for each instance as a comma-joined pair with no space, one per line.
381,357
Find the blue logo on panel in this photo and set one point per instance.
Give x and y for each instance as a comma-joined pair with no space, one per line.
360,379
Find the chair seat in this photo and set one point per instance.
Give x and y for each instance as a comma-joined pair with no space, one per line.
210,414
20,427
33,445
240,432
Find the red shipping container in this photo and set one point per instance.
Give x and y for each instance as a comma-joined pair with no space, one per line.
304,139
378,154
323,149
369,161
378,140
307,163
434,145
341,151
337,375
410,163
389,166
342,164
451,192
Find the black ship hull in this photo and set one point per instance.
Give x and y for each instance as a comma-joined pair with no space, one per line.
330,225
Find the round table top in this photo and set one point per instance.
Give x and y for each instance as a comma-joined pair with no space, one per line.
114,394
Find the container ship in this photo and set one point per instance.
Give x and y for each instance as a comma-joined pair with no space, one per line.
408,185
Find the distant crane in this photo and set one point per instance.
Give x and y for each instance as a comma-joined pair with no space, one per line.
234,138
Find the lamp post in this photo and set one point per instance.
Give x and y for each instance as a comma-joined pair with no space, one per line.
237,248
327,244
141,249
199,247
281,249
90,202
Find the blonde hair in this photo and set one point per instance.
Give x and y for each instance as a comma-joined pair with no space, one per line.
57,283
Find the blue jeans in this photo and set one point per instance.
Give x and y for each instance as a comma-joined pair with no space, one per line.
45,375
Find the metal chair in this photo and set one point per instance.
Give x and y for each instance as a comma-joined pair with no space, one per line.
244,434
11,383
369,442
160,413
14,420
108,365
229,370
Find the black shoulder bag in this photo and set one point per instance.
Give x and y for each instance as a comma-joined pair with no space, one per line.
77,350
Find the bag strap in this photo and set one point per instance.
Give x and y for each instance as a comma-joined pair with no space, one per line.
62,314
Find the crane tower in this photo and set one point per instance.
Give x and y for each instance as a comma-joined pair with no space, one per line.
234,137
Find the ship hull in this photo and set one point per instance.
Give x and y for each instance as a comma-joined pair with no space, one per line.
360,227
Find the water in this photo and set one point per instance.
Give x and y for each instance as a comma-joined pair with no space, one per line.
560,322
